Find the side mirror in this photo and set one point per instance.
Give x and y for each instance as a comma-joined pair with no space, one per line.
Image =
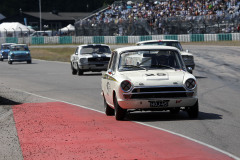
110,71
187,50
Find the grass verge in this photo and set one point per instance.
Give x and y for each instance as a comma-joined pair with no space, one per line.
52,54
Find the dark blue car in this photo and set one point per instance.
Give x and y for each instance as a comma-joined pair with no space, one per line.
5,48
19,53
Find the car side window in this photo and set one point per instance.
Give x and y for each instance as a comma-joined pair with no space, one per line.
110,62
76,52
113,60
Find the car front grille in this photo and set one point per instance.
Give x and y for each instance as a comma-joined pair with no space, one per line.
20,56
158,92
99,59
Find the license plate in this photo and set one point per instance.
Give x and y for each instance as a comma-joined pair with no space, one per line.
163,103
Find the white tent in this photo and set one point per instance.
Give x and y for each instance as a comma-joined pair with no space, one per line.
14,29
69,28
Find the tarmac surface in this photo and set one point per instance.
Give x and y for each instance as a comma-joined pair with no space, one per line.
21,85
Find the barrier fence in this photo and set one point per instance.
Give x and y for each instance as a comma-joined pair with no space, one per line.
119,39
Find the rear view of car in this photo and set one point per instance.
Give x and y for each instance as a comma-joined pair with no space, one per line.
5,48
19,53
90,57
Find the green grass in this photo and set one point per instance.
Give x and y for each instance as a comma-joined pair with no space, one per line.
52,54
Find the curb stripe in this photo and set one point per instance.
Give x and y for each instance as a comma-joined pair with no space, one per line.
194,140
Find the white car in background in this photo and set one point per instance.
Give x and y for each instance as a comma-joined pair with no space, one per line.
187,57
143,78
90,57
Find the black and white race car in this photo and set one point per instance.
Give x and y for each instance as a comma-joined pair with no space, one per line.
90,57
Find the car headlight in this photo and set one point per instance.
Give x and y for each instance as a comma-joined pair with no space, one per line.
190,84
83,60
126,85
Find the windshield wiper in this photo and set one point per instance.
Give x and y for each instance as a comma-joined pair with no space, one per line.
133,66
161,66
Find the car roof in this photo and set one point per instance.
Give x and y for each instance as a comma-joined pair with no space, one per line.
19,45
84,45
163,40
8,43
132,48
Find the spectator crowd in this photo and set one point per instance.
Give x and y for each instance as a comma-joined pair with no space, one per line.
155,13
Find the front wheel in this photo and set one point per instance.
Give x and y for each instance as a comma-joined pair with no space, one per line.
74,71
1,59
193,111
9,62
119,112
29,62
108,110
79,71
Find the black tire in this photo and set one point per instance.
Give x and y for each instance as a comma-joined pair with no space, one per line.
119,112
1,59
193,111
174,110
29,62
9,62
108,110
79,71
74,71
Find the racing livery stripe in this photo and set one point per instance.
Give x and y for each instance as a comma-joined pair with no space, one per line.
106,76
57,130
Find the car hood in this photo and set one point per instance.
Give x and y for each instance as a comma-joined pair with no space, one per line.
155,77
20,52
186,53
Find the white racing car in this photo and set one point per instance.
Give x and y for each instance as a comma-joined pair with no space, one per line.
90,57
142,78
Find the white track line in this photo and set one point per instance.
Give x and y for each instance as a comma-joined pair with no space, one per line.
162,129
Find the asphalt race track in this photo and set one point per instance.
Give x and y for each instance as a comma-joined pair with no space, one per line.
47,113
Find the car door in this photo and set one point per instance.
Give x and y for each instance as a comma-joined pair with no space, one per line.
109,78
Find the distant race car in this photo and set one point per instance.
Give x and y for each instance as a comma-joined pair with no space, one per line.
187,57
90,57
19,53
5,48
148,78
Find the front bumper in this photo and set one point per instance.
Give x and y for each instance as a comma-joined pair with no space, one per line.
145,103
93,67
19,59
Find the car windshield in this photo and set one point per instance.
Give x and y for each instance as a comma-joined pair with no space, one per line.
150,59
165,43
19,48
5,47
95,50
